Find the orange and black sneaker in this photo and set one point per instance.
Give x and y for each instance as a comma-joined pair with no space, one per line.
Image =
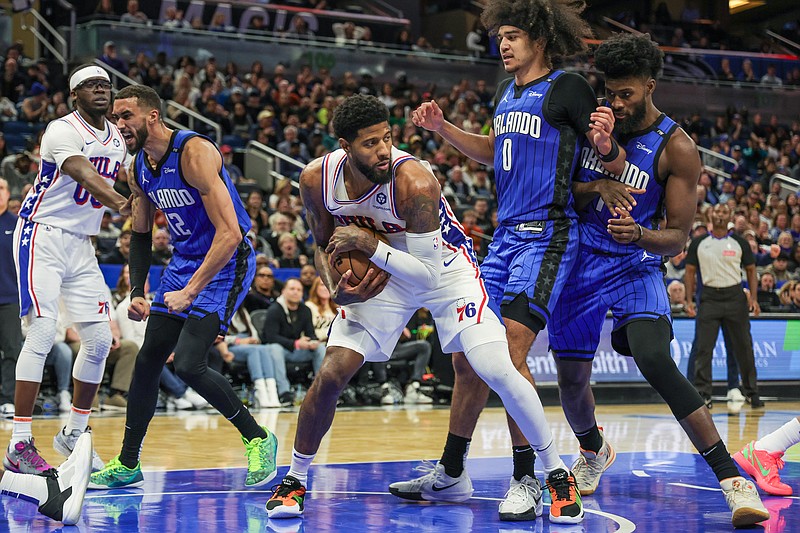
566,506
287,499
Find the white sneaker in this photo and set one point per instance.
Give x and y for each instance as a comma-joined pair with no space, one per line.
735,395
387,398
523,501
179,404
65,445
7,410
64,401
67,486
743,499
434,486
589,466
413,394
195,399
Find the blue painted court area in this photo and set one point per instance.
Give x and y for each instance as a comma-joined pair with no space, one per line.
641,492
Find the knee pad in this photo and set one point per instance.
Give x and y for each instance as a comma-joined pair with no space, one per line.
38,343
96,342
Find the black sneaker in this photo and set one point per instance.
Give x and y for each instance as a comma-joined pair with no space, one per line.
755,402
287,398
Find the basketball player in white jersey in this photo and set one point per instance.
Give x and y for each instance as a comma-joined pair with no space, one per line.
429,262
83,154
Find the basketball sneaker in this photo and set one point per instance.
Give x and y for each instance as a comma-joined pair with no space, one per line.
590,465
763,467
566,506
66,485
261,458
116,475
64,444
24,458
523,501
434,486
743,500
287,499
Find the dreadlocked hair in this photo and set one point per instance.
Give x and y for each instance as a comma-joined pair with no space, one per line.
625,55
558,22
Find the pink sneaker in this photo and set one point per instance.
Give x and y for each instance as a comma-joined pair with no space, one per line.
25,459
763,468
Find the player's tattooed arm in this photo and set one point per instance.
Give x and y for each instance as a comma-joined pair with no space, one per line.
418,196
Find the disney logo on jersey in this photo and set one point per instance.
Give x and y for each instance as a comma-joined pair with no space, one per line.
171,198
643,147
535,94
368,222
632,175
465,308
520,122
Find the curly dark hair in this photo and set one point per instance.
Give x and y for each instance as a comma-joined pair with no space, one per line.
625,55
357,112
559,22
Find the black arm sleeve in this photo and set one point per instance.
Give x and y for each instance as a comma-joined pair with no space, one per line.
571,102
139,261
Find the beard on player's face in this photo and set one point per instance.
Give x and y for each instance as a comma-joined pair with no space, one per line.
372,173
633,119
139,138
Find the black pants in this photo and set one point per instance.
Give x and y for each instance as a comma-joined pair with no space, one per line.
10,345
726,306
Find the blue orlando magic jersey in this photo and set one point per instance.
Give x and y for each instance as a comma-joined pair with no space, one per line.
189,225
534,157
641,172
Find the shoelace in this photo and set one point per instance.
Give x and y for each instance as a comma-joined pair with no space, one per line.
427,467
583,464
742,490
516,496
561,488
31,454
777,463
282,490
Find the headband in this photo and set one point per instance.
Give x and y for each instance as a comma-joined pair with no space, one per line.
85,73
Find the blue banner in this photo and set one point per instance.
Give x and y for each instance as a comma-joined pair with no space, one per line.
776,345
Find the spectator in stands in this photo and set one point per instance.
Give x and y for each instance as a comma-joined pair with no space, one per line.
243,344
289,332
771,78
323,310
173,19
162,251
119,255
105,8
13,82
404,40
227,158
460,187
780,224
767,297
111,58
264,290
779,269
8,113
785,294
255,208
290,257
18,171
133,15
794,298
219,24
476,41
308,273
300,29
35,106
747,74
725,73
677,297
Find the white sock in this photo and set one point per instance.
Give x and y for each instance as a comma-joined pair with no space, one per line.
78,419
781,439
21,430
300,464
24,486
492,363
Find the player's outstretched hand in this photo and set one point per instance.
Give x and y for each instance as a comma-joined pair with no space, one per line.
428,116
139,309
616,194
372,284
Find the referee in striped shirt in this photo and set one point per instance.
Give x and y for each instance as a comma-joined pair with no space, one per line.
719,257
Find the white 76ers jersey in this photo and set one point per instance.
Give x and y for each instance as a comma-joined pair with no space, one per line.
376,208
56,199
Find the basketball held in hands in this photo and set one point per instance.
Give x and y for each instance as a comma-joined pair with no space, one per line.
356,261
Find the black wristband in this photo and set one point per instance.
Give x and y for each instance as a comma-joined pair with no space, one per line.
139,261
611,155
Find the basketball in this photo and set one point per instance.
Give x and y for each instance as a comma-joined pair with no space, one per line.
356,261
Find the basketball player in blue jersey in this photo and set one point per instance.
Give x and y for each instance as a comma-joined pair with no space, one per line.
181,173
369,183
623,236
541,117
